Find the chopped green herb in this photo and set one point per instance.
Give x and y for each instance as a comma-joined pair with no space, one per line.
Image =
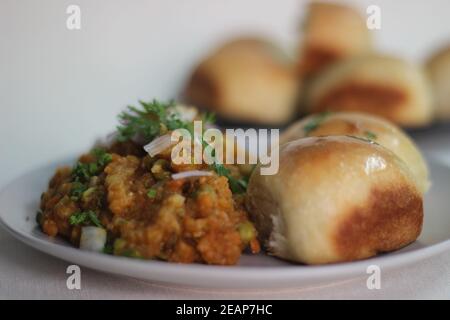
315,122
85,218
246,231
103,158
363,139
108,249
151,193
132,253
77,190
370,135
39,216
82,172
209,117
153,118
148,121
236,185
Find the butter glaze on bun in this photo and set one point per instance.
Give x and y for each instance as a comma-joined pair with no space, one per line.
364,126
385,86
335,199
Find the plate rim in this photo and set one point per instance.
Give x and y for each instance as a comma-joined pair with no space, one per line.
268,276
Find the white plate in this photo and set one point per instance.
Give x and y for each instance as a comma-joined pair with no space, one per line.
19,203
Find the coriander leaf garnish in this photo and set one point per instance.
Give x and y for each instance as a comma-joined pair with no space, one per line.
151,193
85,218
236,185
103,158
315,122
39,216
370,135
363,139
148,121
82,172
209,117
108,249
77,190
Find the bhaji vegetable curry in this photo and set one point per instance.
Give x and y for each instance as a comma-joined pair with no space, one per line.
120,200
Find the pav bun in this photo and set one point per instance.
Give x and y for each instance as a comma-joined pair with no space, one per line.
438,68
368,127
332,32
335,199
247,80
385,86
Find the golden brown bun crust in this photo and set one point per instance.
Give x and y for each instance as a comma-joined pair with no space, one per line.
377,227
381,85
438,67
365,126
335,199
246,80
332,32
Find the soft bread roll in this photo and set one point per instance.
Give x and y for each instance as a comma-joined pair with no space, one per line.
438,68
364,126
335,199
332,32
381,85
246,80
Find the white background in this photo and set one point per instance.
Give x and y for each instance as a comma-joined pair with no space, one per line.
61,89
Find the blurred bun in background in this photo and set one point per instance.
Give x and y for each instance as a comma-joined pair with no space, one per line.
438,67
250,81
382,85
331,32
247,80
367,127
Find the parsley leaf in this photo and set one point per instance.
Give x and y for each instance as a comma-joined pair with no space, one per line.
85,218
148,120
103,158
151,193
209,117
370,135
82,172
77,190
315,122
236,185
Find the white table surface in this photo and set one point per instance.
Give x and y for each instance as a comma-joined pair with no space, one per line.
61,89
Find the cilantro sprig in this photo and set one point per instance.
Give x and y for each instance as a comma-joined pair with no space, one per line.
85,218
315,122
370,135
236,185
152,118
82,172
148,121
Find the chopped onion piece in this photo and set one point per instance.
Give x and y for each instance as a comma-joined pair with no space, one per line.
92,239
158,145
190,174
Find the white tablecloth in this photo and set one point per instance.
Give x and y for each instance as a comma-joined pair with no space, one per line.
27,273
